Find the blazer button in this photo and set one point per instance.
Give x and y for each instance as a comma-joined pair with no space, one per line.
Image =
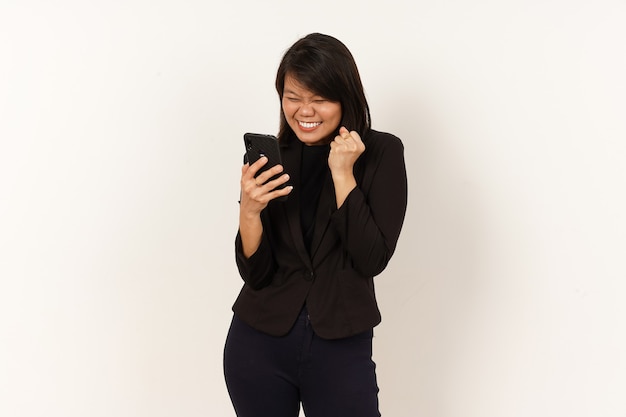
309,275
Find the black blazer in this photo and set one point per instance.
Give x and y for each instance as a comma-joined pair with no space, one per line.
350,246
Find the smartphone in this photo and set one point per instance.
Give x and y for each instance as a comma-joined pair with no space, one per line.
258,145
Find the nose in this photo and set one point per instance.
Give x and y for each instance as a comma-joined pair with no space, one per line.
307,109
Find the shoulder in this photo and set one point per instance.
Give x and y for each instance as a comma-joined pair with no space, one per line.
381,163
377,141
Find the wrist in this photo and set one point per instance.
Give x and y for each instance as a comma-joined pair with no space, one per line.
342,175
248,216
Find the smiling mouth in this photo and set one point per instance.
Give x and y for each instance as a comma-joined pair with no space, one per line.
309,125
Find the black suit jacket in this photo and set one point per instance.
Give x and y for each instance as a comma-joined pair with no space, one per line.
350,246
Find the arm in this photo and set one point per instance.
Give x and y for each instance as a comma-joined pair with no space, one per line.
253,253
370,220
250,231
255,270
344,152
256,193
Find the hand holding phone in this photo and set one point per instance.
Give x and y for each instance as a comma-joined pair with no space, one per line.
258,145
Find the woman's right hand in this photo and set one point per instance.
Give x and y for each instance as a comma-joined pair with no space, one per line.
257,192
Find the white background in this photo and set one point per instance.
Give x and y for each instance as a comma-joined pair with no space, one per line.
121,129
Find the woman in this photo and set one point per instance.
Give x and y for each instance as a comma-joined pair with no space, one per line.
302,328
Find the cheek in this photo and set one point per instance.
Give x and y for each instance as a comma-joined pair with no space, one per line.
334,113
333,110
286,108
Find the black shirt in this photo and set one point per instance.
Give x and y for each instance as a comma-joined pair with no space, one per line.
313,173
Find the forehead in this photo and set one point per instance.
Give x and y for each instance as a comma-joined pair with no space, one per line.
293,86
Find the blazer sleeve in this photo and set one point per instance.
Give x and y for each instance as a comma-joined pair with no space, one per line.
258,269
370,220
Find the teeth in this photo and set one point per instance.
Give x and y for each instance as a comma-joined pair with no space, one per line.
309,125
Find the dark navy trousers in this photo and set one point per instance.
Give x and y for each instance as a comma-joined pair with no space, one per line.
269,376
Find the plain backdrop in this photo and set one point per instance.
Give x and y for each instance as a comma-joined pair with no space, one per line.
121,129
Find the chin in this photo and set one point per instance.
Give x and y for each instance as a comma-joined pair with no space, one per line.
313,139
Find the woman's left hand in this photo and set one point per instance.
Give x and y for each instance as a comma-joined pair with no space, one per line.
344,151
